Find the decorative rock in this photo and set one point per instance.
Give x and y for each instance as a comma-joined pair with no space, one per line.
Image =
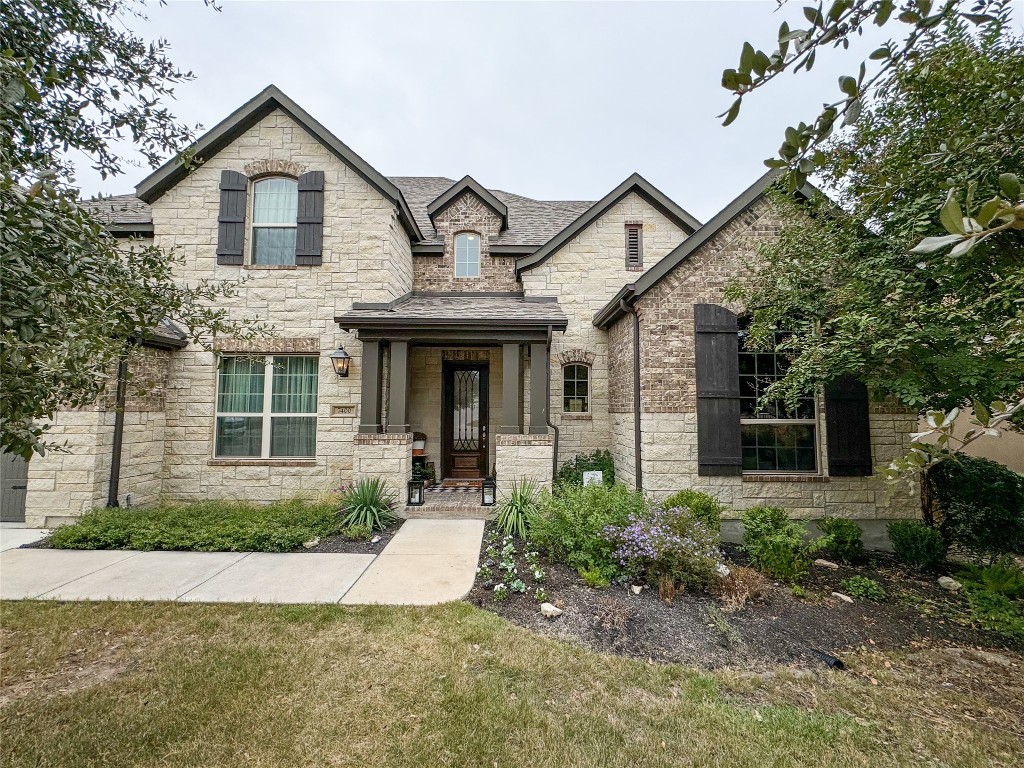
375,539
311,543
637,589
841,596
826,564
948,582
550,611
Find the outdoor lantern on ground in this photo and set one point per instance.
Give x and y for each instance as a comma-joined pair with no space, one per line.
415,493
341,360
488,491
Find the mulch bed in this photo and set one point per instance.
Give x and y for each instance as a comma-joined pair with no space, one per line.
341,544
776,629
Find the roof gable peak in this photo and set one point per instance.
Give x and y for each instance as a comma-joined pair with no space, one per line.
468,184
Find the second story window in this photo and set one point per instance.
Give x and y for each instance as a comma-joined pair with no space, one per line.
275,205
467,255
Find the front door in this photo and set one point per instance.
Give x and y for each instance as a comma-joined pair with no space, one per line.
464,420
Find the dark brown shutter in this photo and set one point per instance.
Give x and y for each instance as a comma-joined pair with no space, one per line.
716,351
231,221
847,429
634,245
309,235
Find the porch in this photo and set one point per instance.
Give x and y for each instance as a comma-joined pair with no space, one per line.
467,374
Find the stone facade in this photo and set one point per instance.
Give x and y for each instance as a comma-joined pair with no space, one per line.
523,457
384,455
437,273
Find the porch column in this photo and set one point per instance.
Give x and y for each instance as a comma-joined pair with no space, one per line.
369,390
510,411
398,391
539,372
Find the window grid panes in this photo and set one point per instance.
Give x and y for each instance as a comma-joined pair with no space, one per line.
774,438
467,255
266,407
576,389
275,204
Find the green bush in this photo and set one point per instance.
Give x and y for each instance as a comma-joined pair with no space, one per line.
209,526
863,587
516,513
917,544
981,505
368,503
356,532
702,506
571,523
1003,578
571,473
775,543
841,539
997,613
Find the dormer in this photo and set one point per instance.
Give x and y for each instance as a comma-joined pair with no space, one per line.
468,185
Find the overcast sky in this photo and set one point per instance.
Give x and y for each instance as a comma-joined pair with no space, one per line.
547,100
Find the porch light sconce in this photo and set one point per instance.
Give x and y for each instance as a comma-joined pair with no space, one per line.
488,492
415,493
341,360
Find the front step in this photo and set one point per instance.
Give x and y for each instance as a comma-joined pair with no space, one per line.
449,500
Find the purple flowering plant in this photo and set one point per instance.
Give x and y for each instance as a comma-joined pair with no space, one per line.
662,545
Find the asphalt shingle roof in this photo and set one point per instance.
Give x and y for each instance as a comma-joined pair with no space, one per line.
464,309
120,210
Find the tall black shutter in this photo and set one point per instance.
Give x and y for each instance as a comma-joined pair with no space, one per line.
718,391
309,236
847,428
231,221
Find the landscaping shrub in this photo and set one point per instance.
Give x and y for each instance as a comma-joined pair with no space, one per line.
775,543
863,587
571,522
841,539
369,503
702,506
917,544
209,526
571,473
1003,578
356,532
740,585
997,613
667,548
516,512
980,503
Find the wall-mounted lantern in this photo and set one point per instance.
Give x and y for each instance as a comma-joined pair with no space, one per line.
488,492
341,360
415,493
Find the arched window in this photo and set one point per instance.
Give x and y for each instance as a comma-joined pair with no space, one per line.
467,254
275,204
576,388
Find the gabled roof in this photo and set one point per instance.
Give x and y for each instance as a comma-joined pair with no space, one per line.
122,215
635,183
468,184
243,118
613,310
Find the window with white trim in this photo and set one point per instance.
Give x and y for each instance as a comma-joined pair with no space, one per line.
774,438
576,388
266,407
467,254
275,207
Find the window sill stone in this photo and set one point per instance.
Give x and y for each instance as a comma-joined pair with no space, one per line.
570,416
780,478
261,462
269,267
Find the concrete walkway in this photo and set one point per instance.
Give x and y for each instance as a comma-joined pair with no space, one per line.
427,562
14,535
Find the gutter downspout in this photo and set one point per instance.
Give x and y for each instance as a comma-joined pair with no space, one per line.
554,447
638,469
115,451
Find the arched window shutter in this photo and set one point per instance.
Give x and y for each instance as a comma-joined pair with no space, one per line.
847,428
718,391
309,235
231,220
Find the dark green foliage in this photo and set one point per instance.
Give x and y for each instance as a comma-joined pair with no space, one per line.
997,613
863,587
980,505
368,503
775,543
917,544
210,526
571,522
571,473
703,506
516,512
1003,578
841,539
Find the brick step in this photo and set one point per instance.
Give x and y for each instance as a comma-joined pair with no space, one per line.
449,511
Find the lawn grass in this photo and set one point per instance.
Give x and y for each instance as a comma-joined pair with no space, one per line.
209,526
122,684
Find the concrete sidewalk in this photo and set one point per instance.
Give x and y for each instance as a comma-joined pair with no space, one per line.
427,562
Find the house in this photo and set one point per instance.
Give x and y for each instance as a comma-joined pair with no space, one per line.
510,333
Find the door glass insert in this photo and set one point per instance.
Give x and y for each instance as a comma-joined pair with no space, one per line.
466,411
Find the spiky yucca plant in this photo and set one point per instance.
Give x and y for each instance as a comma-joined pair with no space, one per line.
368,503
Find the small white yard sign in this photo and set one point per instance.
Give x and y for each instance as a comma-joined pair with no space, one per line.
593,478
